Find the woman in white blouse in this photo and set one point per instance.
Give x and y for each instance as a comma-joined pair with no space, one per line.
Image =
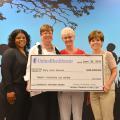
44,104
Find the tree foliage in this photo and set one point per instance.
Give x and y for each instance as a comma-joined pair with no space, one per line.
57,10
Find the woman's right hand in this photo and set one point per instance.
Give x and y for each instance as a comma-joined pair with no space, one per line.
11,97
28,86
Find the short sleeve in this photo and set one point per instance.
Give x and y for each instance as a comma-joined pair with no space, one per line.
111,60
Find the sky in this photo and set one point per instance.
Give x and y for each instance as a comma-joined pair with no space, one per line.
104,17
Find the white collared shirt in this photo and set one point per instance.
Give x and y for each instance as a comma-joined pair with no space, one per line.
34,51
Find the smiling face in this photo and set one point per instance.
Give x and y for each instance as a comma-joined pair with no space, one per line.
20,40
96,44
68,36
47,36
46,33
68,39
96,39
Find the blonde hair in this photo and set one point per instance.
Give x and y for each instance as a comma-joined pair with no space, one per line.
67,30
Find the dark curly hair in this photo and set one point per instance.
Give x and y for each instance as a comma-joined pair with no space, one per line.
12,36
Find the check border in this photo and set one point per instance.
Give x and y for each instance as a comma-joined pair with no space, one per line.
70,89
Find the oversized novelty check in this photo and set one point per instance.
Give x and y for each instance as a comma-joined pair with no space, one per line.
66,73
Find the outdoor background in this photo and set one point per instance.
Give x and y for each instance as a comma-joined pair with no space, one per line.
101,15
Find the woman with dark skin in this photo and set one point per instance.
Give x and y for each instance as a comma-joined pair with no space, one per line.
13,69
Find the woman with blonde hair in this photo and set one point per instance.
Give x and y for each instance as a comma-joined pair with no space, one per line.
70,102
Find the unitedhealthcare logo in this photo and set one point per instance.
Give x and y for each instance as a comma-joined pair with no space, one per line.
34,60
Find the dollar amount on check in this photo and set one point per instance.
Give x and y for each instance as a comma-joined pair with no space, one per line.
66,73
